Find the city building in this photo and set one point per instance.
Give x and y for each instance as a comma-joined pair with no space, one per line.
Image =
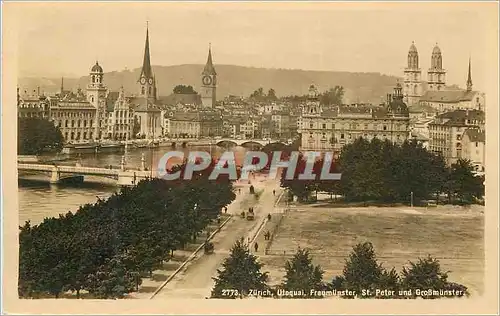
434,92
412,86
76,118
184,125
447,130
120,116
209,83
195,124
332,129
436,80
283,123
445,101
248,128
33,105
474,148
268,128
97,94
146,108
182,99
80,117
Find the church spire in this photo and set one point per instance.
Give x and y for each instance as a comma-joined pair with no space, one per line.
209,67
62,85
146,65
469,79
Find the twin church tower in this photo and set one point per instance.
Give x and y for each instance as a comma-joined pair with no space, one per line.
147,80
413,87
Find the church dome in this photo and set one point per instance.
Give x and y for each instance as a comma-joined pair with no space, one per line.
97,68
397,107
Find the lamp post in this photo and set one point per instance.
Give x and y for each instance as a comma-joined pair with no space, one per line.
411,199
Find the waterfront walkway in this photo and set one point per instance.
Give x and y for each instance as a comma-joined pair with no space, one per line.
196,280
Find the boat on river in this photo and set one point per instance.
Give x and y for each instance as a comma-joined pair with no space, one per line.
86,148
111,147
93,147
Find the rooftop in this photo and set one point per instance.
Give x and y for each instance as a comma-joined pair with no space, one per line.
141,105
459,117
180,98
448,96
475,135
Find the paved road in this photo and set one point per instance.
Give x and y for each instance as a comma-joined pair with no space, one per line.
196,281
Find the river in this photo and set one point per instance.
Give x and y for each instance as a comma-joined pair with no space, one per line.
38,200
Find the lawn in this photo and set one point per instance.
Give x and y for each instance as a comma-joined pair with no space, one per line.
452,235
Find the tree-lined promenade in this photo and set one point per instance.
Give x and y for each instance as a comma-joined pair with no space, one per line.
105,248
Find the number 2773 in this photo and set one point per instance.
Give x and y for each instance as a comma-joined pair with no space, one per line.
230,292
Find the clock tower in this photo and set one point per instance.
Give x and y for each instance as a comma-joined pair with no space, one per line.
147,80
96,96
209,83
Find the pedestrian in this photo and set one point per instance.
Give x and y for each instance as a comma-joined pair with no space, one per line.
225,209
256,247
274,192
239,191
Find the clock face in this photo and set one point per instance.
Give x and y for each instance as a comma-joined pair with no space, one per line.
207,80
143,80
150,81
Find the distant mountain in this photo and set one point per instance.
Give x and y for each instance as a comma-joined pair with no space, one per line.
237,80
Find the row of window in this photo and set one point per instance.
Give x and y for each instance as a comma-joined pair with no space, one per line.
73,114
121,114
350,136
354,126
32,114
78,123
121,121
32,106
78,135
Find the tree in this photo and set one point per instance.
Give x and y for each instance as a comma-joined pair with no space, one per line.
112,280
36,135
103,247
426,274
258,95
302,189
301,274
271,95
362,271
182,89
333,96
463,184
241,273
362,169
383,171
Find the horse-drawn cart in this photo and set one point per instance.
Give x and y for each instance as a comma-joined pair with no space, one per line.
209,247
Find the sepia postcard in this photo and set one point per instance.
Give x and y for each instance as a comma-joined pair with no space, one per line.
249,157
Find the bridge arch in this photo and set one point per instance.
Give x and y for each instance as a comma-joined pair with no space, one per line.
225,142
251,143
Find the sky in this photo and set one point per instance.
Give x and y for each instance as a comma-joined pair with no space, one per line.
56,39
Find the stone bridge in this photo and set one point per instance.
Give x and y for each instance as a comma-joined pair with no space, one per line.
59,173
244,142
